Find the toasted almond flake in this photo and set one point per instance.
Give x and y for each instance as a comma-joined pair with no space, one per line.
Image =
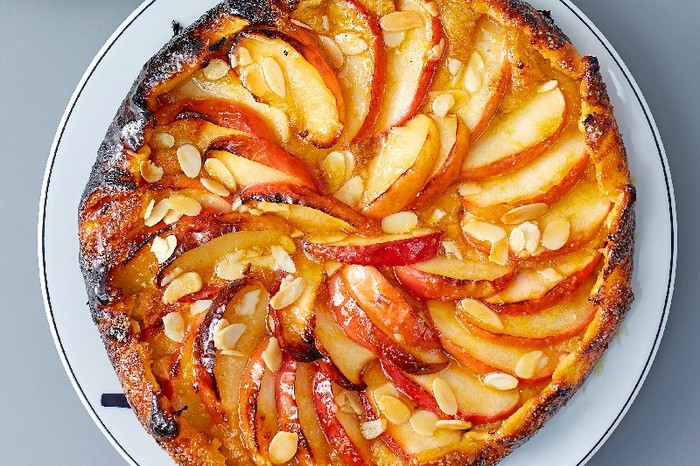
469,188
249,303
529,364
232,266
454,65
220,172
227,338
233,61
525,213
331,267
349,163
484,231
499,252
334,237
220,325
172,275
453,424
393,39
442,104
481,312
500,381
173,216
353,400
216,69
174,326
326,22
394,410
300,24
445,396
187,283
166,140
288,293
185,205
335,166
274,76
272,207
433,9
234,353
373,429
516,240
283,447
438,50
351,43
400,222
532,236
351,191
244,57
551,275
272,356
156,213
200,306
473,73
149,208
150,171
436,216
401,21
333,50
283,259
451,249
190,160
297,234
341,399
163,248
548,86
424,422
556,234
215,187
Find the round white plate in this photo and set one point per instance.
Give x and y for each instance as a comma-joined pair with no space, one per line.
571,438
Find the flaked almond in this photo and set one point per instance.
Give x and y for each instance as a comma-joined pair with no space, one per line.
548,86
234,353
525,213
556,234
216,69
445,396
166,140
433,9
283,259
436,216
551,275
401,21
451,249
151,172
274,76
394,410
190,160
172,217
349,402
529,364
351,43
156,213
351,191
326,22
272,356
454,65
516,240
215,187
438,50
473,74
227,338
453,424
500,381
400,222
469,188
232,266
373,429
283,447
163,248
424,422
532,236
335,166
244,56
481,312
200,306
484,231
174,326
393,39
220,172
170,276
288,293
301,25
272,207
249,303
187,283
296,234
442,104
499,252
220,325
185,205
331,267
333,50
149,208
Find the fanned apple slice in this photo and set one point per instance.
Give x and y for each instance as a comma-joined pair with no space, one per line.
402,167
411,65
448,278
307,219
288,410
383,250
547,327
304,391
544,180
454,145
293,76
516,138
485,78
484,356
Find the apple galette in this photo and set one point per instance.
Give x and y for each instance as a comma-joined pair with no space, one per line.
358,232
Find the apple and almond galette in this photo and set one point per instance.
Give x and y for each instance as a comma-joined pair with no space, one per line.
358,232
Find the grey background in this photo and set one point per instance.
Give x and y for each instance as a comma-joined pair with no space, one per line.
44,49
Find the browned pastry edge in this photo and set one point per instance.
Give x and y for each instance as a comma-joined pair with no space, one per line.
111,192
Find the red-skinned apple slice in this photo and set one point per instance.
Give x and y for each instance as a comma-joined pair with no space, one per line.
382,250
293,76
360,328
518,137
288,410
410,66
315,437
544,180
402,167
449,278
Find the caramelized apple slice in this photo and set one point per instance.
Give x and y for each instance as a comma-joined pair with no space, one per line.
277,71
383,250
411,65
402,167
518,137
304,392
307,219
544,180
449,278
288,410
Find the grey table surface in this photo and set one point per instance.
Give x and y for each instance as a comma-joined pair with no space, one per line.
45,47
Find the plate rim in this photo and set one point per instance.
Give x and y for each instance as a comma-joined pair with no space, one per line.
121,29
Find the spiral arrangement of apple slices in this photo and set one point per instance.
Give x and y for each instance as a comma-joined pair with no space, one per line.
365,237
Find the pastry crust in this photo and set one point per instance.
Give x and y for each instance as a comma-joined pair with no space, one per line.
111,206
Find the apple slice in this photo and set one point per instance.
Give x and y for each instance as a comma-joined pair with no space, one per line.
304,392
402,167
518,137
347,357
294,77
383,250
288,410
357,325
544,180
411,65
448,278
454,145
